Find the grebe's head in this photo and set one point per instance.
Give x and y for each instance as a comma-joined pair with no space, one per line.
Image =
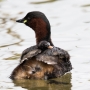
39,23
33,18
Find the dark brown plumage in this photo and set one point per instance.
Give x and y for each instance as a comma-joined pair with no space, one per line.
40,61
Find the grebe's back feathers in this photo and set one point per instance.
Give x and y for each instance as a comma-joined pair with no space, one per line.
53,56
30,52
33,51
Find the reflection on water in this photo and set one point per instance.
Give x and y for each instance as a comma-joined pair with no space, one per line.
63,83
44,1
87,5
14,57
70,21
7,27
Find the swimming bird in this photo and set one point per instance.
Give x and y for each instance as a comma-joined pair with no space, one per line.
43,60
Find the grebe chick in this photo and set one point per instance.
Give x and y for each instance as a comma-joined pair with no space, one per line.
43,45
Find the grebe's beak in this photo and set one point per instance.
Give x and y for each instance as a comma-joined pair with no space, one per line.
50,47
21,21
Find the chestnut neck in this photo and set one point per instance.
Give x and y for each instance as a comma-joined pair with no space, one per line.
42,30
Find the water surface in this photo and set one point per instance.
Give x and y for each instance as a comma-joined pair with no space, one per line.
70,22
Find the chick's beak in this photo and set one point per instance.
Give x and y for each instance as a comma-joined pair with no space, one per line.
50,47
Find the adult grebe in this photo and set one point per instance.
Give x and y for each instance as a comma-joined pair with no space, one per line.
40,61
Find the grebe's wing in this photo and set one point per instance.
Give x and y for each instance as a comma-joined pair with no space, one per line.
53,56
30,52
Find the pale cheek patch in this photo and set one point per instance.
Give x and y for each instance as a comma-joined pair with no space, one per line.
24,21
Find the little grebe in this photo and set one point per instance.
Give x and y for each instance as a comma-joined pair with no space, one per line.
44,60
